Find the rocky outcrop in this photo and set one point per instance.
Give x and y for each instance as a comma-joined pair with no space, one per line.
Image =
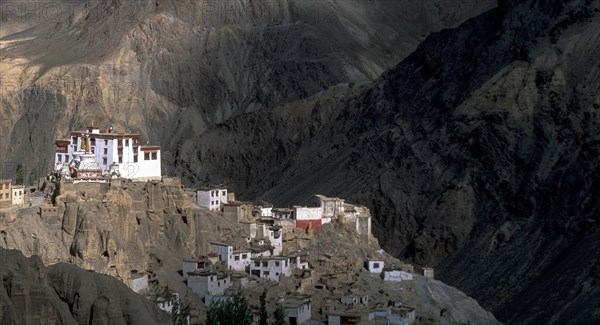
475,154
65,294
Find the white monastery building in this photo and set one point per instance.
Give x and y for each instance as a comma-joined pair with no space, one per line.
93,154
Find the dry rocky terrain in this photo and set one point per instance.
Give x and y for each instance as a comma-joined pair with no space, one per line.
476,151
125,228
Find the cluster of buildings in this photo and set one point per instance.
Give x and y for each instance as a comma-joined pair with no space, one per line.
259,253
99,156
325,210
11,194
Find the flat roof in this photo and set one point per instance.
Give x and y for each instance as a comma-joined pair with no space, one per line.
296,302
211,188
275,258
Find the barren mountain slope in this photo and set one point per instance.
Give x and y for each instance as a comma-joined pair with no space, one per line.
66,294
171,69
478,154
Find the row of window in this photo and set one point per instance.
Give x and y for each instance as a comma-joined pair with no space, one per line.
265,263
216,193
93,141
7,195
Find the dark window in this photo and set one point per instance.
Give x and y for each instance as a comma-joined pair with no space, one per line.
126,142
120,159
277,263
106,151
146,156
154,156
135,157
104,161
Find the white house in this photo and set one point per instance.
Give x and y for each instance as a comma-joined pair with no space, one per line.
208,283
282,213
297,310
211,197
138,282
266,211
375,265
240,260
355,299
17,195
271,267
397,275
275,237
300,261
167,305
121,153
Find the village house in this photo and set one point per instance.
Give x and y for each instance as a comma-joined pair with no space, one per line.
212,197
282,213
18,195
266,210
397,275
355,299
307,217
402,315
138,282
331,207
270,267
299,261
194,265
428,272
375,265
298,309
5,190
239,211
354,316
208,283
109,152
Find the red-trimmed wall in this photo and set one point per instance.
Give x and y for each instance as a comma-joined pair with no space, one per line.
303,224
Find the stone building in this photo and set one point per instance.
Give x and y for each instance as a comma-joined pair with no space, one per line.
5,190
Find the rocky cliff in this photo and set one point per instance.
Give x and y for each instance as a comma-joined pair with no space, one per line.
477,154
125,229
65,294
173,69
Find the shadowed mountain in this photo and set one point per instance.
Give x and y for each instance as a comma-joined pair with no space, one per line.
478,155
